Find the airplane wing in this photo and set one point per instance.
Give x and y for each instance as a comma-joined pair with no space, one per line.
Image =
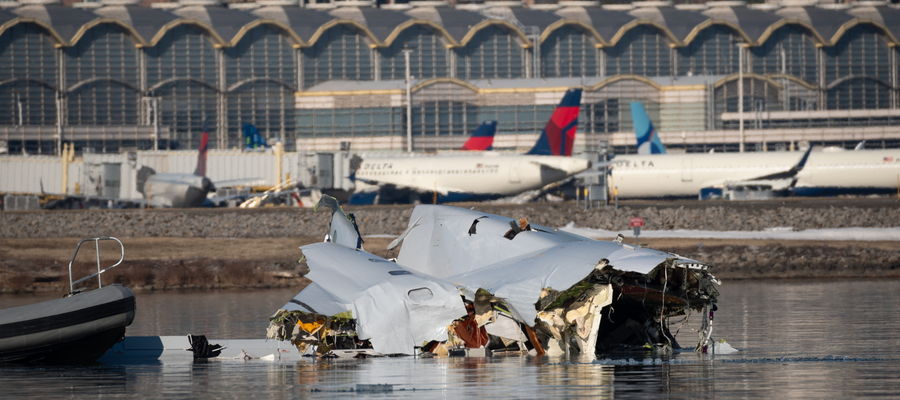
782,180
238,182
420,187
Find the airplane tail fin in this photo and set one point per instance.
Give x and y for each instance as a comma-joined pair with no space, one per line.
482,138
252,138
648,141
201,156
558,136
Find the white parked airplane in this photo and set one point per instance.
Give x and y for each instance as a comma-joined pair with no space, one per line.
178,189
188,190
709,174
486,175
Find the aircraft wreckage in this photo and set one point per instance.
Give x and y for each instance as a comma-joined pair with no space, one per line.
466,281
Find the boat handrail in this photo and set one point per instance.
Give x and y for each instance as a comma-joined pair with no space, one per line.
96,241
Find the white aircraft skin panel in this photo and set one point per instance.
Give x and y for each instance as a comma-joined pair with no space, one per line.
432,246
380,295
516,269
519,280
685,174
313,298
489,174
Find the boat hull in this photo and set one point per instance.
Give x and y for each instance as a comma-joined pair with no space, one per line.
75,329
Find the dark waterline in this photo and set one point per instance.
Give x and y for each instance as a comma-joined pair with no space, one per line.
818,339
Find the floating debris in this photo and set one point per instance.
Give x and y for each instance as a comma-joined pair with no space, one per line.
466,280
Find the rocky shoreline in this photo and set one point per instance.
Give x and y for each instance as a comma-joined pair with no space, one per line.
230,248
290,222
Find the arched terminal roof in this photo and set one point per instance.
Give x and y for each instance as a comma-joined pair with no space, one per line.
225,22
63,22
750,21
607,24
305,22
823,22
681,25
381,23
456,22
147,22
888,17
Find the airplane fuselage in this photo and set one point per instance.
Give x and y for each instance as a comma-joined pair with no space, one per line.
479,175
683,175
176,190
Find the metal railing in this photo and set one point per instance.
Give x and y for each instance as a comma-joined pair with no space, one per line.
96,241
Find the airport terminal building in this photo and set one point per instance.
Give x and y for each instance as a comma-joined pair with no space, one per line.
116,75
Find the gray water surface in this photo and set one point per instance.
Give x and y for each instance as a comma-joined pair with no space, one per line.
819,339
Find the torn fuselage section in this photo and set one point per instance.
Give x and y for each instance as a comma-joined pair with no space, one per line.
460,289
612,311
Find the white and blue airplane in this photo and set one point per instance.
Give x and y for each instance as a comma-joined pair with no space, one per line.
660,174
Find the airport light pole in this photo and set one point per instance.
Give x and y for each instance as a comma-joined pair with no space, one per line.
741,95
406,52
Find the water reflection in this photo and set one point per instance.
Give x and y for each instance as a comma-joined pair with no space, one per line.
798,339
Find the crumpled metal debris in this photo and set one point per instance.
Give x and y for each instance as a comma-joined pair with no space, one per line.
507,286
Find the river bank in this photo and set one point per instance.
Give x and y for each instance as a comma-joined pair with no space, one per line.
228,248
40,265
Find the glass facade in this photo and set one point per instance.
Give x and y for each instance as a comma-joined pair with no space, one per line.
103,102
184,106
444,117
713,52
858,94
350,122
494,52
107,51
265,104
526,119
790,50
428,59
569,51
341,53
862,52
28,76
265,52
185,52
643,50
109,78
759,96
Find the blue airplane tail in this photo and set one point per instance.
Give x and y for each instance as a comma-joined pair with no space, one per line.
483,137
252,138
648,141
558,136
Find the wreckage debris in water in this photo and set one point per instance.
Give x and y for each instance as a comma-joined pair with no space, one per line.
465,280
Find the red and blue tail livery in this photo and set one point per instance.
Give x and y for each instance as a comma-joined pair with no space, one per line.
201,155
558,136
483,137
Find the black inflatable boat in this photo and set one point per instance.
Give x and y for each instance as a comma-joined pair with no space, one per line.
77,328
